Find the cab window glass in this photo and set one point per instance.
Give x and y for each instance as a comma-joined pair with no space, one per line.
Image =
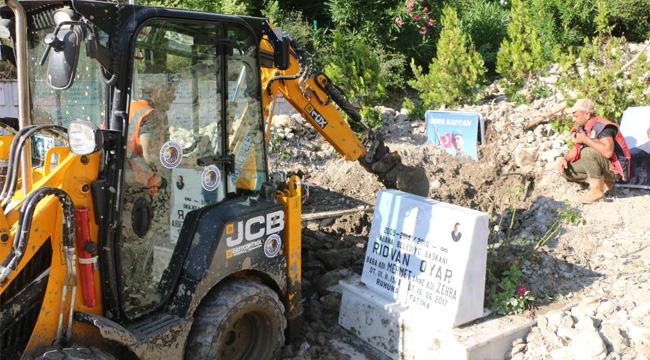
244,113
84,100
175,131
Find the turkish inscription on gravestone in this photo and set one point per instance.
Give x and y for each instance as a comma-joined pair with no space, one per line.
419,253
393,252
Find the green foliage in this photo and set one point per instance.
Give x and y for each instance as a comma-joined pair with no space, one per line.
601,73
630,19
315,11
521,53
302,32
367,16
566,23
416,109
355,68
456,73
371,116
532,90
563,23
273,12
406,27
486,22
562,124
413,29
392,68
510,296
540,91
565,216
516,95
235,7
277,146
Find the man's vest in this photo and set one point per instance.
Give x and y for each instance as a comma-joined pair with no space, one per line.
143,172
621,158
139,110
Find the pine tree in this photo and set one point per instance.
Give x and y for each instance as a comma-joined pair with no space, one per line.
457,71
521,52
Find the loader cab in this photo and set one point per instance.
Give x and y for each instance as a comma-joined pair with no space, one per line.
195,138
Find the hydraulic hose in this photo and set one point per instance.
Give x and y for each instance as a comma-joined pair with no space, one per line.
25,224
17,148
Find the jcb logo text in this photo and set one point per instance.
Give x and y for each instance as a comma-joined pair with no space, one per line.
254,228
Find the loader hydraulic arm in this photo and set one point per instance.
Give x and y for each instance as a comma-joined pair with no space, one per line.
314,96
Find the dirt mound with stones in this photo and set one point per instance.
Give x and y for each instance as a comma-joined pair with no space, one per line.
589,279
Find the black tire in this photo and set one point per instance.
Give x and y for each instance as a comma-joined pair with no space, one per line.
73,352
240,319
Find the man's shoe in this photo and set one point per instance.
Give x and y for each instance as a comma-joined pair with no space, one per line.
595,192
608,186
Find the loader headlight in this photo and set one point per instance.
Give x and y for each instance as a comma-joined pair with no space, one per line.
84,138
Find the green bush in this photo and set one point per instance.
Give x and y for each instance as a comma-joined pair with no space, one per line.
563,23
509,295
414,29
392,66
355,68
235,7
301,31
630,18
371,117
456,73
416,109
314,11
521,53
600,72
486,22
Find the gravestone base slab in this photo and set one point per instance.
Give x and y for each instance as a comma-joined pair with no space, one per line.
406,334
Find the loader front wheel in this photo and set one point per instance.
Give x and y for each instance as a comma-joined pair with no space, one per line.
240,319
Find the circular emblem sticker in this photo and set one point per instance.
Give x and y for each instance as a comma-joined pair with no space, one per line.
171,154
211,178
272,245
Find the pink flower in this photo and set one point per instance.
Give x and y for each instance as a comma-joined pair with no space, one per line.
399,21
425,10
521,290
423,30
416,17
409,6
430,22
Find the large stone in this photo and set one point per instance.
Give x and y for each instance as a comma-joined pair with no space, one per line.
324,283
550,155
282,120
588,345
335,258
525,156
611,334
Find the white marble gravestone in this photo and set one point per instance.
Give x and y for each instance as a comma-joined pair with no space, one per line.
424,267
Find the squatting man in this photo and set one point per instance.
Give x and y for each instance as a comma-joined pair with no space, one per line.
600,156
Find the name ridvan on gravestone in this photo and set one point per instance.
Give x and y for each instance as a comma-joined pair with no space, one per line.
429,255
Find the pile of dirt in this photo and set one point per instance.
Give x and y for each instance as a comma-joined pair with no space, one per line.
515,181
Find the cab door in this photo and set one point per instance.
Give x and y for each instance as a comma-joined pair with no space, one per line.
195,135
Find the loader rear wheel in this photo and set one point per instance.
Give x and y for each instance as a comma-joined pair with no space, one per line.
73,352
240,319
